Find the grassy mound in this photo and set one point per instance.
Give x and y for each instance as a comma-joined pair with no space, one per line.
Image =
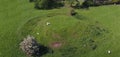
14,16
65,35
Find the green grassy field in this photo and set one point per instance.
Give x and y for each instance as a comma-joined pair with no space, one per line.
14,14
108,16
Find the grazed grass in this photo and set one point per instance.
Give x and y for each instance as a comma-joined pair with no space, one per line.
70,32
14,14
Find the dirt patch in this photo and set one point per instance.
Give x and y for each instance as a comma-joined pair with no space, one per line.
56,45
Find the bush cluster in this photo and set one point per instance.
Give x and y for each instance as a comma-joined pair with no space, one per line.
47,4
100,2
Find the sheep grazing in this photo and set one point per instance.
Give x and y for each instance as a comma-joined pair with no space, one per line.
109,52
37,33
48,23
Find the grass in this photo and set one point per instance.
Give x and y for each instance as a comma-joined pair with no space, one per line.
13,15
109,17
72,33
16,13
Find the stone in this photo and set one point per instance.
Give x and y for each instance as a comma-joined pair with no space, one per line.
29,45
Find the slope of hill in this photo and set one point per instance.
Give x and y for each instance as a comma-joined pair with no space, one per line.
66,35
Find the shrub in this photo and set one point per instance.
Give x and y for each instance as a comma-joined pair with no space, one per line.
86,4
47,4
99,2
32,0
72,12
73,3
42,4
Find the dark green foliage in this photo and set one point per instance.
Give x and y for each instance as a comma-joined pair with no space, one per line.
115,2
99,2
47,4
86,4
42,4
74,3
32,0
70,2
77,5
72,12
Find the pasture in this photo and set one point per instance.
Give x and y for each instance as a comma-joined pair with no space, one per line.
16,14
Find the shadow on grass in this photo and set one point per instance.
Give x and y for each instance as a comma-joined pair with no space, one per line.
42,51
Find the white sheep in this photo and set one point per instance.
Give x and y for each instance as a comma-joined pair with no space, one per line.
48,23
38,33
108,51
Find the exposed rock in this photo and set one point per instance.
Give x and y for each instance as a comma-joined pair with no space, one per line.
30,46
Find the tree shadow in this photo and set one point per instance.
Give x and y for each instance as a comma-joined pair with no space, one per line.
42,51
